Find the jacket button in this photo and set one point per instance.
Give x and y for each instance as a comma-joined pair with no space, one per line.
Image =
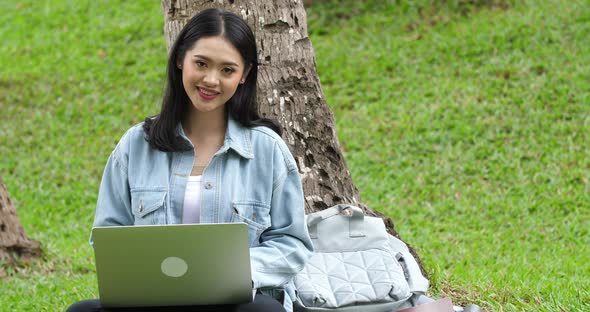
208,185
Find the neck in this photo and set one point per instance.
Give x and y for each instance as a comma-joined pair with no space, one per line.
206,126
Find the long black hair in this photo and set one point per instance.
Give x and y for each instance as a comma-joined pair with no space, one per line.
161,130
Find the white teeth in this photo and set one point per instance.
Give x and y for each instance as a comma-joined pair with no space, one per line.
207,92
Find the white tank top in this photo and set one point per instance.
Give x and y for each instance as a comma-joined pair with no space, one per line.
191,210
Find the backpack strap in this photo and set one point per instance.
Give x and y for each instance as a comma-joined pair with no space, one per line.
356,222
417,282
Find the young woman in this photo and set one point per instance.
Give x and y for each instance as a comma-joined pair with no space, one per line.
208,157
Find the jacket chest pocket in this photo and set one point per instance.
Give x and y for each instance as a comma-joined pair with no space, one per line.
256,215
148,207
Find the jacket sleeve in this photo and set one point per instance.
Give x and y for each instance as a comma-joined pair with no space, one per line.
285,246
113,207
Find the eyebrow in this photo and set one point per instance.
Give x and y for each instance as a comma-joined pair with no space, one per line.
209,59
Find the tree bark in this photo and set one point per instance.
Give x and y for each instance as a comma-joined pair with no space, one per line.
14,243
289,91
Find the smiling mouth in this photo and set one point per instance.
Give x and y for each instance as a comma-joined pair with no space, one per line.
207,94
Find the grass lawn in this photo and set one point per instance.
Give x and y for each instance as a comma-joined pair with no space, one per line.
474,134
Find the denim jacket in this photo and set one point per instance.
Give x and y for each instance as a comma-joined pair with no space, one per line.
253,178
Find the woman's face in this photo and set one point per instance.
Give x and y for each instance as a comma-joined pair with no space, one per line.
211,72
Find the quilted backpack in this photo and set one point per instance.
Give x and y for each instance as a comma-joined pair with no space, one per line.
356,265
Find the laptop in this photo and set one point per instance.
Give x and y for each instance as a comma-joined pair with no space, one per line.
173,265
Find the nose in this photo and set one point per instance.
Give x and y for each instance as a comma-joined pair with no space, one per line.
211,79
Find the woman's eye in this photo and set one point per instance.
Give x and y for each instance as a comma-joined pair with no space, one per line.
200,64
228,70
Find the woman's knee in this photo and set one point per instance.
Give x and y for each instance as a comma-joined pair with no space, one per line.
92,305
261,303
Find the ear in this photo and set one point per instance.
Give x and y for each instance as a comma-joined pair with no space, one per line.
246,72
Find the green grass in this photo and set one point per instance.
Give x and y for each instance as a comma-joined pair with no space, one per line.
474,135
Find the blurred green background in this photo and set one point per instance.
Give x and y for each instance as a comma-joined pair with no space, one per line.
467,122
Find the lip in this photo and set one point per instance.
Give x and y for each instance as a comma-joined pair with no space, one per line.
207,96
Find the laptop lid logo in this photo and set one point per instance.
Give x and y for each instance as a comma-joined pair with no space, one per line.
174,267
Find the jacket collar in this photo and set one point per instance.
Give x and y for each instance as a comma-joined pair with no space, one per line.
237,138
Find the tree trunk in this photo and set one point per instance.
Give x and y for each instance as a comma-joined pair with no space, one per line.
289,91
13,240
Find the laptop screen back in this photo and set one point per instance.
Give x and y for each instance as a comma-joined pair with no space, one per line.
168,265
